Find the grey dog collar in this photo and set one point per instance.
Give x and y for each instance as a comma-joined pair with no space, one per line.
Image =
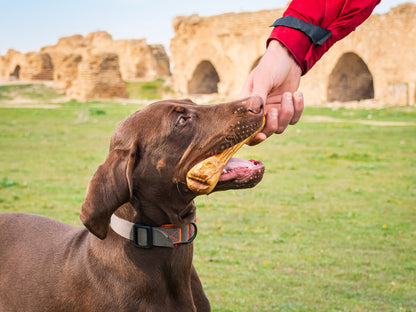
145,236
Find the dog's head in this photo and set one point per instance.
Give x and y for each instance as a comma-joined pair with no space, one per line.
164,155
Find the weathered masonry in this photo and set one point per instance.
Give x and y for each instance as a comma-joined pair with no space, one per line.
94,66
377,61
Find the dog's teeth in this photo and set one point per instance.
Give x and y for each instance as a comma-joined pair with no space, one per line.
224,171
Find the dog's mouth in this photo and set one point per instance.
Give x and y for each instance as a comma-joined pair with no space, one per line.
240,173
222,172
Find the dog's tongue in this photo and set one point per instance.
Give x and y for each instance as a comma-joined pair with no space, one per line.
239,169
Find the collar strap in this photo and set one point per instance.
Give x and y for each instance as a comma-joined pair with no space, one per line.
145,236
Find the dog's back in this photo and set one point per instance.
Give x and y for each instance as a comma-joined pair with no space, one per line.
27,243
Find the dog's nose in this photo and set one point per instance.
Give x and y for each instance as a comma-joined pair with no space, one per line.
255,105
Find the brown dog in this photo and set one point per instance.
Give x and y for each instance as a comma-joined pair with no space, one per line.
139,262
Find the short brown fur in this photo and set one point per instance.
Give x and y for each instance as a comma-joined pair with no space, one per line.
46,265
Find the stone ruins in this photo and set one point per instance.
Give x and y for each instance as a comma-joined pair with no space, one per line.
214,54
377,61
94,66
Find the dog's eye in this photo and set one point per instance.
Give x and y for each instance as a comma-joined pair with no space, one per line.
182,120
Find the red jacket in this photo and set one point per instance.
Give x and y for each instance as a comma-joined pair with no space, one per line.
340,17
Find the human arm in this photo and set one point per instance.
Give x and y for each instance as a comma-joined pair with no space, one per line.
281,67
275,79
338,17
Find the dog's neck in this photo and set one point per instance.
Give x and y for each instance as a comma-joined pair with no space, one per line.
159,229
144,236
170,212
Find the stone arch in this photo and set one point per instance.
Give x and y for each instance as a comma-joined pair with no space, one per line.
350,80
414,95
15,75
256,62
204,79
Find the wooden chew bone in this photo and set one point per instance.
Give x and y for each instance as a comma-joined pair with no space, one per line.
203,177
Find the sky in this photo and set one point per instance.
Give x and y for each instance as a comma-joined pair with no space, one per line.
28,25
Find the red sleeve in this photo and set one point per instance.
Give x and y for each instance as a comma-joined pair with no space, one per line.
340,17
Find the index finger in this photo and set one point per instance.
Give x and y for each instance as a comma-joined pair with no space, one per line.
298,104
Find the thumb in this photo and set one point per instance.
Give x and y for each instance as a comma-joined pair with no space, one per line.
253,87
261,90
247,87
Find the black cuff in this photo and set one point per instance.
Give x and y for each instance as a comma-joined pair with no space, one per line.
315,33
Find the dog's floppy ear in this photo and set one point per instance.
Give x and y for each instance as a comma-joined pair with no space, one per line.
109,188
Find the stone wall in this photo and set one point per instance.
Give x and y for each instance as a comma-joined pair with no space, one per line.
30,66
76,61
137,59
98,77
216,53
228,45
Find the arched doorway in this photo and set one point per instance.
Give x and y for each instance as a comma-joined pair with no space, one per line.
204,79
414,96
350,80
15,75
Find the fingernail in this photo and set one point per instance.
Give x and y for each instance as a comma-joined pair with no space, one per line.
273,112
288,96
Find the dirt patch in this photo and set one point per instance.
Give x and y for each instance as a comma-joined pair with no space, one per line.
28,105
363,122
30,95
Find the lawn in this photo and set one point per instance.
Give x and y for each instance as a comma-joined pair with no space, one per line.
151,90
28,91
331,227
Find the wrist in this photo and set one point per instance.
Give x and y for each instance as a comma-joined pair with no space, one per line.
293,40
280,50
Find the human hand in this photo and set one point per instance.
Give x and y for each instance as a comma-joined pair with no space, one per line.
275,79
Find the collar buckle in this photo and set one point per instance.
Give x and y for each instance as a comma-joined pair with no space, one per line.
146,232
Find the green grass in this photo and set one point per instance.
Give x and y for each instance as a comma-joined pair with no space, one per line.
34,92
151,90
405,114
331,227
